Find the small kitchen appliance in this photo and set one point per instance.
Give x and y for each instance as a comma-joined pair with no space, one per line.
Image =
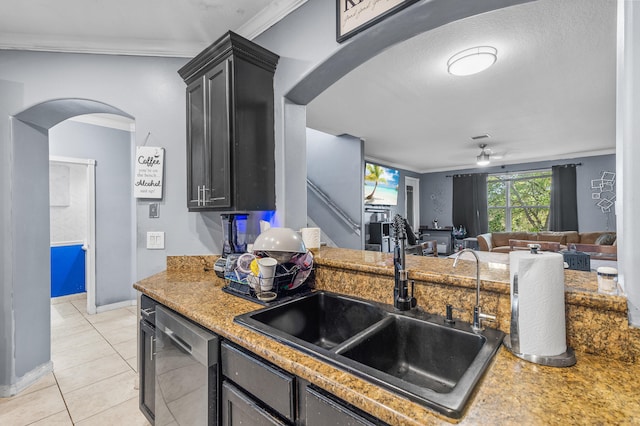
234,229
234,242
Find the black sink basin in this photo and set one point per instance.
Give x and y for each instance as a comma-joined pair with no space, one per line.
421,353
322,319
414,354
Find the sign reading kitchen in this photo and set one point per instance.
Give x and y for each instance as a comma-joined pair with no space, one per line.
148,175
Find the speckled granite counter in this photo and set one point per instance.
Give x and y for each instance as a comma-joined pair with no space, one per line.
596,323
597,390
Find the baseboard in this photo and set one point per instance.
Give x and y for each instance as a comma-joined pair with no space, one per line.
112,306
68,298
27,380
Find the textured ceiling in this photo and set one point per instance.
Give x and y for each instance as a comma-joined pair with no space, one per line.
138,27
550,95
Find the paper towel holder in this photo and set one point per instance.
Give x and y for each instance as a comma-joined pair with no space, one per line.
512,342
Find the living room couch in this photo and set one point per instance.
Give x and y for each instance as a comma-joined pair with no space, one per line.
499,241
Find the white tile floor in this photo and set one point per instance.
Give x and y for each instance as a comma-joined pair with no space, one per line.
94,379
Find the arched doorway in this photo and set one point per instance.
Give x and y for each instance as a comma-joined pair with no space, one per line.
25,243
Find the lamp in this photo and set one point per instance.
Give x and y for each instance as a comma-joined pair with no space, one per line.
472,61
484,158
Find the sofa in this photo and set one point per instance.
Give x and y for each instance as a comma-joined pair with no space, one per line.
588,241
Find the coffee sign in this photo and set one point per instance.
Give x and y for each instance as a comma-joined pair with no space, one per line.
149,172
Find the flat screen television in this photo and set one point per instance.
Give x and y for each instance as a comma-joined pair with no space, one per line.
380,185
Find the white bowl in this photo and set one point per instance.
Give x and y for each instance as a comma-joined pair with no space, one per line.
280,243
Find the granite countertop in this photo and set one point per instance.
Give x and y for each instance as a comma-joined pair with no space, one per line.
581,287
597,390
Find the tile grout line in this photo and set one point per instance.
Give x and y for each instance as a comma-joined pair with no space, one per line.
112,346
64,400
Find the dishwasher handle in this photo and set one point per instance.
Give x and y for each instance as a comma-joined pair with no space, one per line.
190,338
184,346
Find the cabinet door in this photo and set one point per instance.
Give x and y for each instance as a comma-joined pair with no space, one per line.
196,141
323,409
239,409
147,370
219,98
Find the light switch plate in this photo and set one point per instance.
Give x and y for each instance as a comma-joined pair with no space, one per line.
153,210
155,240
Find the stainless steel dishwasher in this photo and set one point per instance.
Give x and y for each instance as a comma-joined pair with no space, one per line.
187,385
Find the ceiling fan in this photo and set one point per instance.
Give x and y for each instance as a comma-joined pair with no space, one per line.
486,155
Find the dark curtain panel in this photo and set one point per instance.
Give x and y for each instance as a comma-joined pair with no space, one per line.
470,203
563,212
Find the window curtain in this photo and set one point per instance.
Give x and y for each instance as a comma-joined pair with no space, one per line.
563,211
470,203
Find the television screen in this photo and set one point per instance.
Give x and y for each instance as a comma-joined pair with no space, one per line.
380,185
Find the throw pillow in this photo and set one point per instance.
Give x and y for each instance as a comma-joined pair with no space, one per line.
606,239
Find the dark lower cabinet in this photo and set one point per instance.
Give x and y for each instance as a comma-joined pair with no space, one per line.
147,371
271,386
323,408
238,408
258,392
251,391
146,358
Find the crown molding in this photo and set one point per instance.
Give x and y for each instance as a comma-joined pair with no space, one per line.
268,17
255,26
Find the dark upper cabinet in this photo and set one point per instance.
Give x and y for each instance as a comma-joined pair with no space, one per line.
230,134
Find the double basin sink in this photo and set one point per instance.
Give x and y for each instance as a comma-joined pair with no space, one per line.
420,356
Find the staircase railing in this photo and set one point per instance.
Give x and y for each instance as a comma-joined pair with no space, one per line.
355,226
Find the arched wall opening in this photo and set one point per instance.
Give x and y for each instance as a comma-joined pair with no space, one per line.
304,72
26,237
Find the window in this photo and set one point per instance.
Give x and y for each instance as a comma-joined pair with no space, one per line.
519,201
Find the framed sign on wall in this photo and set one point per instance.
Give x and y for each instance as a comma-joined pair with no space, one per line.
353,16
148,172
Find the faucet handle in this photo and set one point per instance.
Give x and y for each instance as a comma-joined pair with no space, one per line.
449,314
483,316
487,317
479,317
412,300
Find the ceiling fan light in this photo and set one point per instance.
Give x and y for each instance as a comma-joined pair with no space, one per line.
483,159
472,61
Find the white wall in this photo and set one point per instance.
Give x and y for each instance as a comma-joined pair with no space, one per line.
628,149
335,165
115,224
150,90
67,202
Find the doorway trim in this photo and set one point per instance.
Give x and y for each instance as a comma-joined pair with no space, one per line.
89,245
415,183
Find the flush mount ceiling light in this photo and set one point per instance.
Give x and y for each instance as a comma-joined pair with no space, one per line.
484,158
472,61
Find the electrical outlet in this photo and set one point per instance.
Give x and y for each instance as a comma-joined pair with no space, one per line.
155,240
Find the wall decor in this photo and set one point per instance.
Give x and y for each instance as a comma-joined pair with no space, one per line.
354,16
148,174
603,190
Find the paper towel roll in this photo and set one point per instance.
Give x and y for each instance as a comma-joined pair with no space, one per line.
264,225
311,237
541,317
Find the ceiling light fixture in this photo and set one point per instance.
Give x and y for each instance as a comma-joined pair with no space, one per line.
484,158
472,61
